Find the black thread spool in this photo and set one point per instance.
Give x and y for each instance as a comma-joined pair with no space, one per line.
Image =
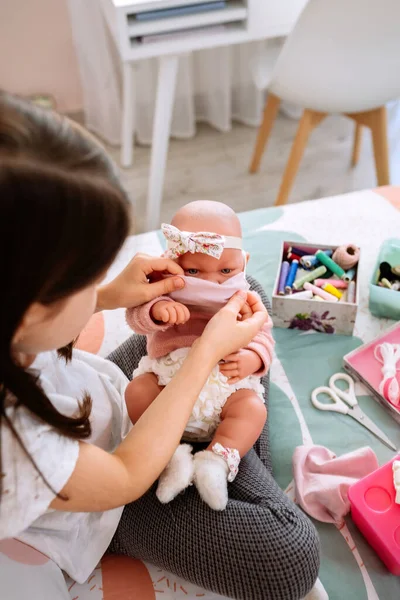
385,272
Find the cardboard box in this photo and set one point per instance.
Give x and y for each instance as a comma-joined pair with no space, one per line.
326,317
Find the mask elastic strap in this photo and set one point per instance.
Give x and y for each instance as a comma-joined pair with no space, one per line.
245,262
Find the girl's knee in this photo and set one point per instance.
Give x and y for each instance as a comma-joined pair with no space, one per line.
299,564
306,559
289,558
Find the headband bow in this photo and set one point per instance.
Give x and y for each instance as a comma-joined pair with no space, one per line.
180,242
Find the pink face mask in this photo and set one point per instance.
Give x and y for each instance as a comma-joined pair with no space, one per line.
207,295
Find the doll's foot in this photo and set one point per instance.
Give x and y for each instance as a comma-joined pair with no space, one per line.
177,475
211,479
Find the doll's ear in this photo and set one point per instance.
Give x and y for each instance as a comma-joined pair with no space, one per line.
247,257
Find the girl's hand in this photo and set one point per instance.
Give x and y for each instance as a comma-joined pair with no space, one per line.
133,286
240,365
225,333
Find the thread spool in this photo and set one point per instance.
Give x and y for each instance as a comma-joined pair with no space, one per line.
385,283
386,272
291,276
330,264
347,256
309,261
295,250
338,283
306,295
282,278
351,293
331,289
350,274
321,293
309,277
300,273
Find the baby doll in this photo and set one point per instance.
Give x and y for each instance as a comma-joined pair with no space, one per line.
230,411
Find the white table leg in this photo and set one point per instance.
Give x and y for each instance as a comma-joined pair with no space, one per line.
128,114
168,69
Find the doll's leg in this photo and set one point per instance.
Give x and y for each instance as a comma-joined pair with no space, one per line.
140,393
242,420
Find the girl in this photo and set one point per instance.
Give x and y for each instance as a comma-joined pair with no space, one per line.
70,460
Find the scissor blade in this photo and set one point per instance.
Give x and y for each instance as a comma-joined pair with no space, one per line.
362,418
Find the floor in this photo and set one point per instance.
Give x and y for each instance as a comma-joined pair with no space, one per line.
214,166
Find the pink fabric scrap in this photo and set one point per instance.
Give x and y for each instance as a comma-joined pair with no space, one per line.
322,479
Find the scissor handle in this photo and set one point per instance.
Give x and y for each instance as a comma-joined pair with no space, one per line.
336,406
349,395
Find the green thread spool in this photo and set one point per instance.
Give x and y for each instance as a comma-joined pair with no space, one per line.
309,277
330,264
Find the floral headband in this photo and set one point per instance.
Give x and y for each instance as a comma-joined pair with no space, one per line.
205,242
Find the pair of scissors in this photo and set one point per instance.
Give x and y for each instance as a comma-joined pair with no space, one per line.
346,403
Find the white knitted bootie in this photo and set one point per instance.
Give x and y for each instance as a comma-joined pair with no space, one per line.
211,479
177,475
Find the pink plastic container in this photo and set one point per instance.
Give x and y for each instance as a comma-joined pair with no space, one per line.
374,511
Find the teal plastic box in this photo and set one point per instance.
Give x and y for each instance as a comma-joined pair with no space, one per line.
382,301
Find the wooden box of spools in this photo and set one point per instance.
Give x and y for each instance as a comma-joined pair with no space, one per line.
313,292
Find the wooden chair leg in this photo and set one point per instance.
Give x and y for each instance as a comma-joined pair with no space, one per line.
380,144
356,145
376,120
308,121
270,112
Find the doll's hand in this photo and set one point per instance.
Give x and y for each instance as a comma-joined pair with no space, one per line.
173,313
241,364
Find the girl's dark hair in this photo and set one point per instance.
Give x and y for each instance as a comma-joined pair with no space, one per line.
63,218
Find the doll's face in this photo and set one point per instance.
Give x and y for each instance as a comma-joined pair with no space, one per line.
212,269
206,215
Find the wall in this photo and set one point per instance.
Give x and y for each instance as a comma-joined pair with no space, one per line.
36,51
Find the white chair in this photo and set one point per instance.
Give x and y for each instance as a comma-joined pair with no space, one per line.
343,56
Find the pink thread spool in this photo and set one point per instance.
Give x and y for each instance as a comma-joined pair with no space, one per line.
346,256
338,283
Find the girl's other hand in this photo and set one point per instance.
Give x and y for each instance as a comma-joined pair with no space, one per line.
140,282
225,333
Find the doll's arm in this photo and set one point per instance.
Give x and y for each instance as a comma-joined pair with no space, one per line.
263,345
140,320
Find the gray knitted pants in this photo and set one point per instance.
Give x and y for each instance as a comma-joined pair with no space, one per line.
261,547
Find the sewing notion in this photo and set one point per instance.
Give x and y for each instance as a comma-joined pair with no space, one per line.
376,365
346,403
377,515
389,356
384,299
330,305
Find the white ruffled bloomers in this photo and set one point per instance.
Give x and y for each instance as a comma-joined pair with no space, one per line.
205,416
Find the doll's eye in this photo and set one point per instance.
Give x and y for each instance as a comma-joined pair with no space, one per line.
192,271
226,271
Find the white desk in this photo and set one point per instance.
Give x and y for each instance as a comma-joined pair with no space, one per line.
241,20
